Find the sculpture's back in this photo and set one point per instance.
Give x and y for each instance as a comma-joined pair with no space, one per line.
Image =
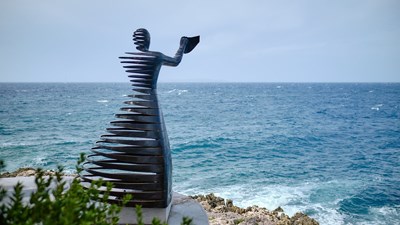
135,154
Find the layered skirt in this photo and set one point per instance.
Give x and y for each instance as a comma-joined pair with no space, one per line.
135,154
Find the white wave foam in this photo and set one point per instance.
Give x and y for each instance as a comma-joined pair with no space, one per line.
377,107
323,214
314,198
11,144
39,160
102,101
177,91
182,91
384,215
388,211
271,196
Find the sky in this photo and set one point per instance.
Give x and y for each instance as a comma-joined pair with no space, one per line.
241,41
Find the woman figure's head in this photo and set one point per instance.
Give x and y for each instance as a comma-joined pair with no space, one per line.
141,37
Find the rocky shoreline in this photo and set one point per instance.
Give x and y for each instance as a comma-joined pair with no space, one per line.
26,172
219,210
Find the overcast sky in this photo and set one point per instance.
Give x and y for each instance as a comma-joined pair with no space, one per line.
241,41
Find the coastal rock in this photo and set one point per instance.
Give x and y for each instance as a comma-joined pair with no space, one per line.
28,172
279,209
229,203
302,219
21,172
221,211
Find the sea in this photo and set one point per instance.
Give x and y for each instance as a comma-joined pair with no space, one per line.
330,150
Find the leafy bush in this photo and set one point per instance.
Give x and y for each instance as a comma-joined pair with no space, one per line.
50,206
53,204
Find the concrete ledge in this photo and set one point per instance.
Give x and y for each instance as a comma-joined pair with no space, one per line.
181,206
128,215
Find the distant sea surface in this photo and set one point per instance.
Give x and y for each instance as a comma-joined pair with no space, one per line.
331,150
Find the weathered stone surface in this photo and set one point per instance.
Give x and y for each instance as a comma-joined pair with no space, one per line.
221,211
29,172
26,172
302,219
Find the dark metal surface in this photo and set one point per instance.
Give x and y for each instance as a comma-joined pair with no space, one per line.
135,154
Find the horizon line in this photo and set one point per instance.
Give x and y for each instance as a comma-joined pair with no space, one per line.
166,82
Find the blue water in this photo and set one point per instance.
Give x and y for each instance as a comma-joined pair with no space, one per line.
329,150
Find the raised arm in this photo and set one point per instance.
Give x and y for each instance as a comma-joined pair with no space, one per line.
174,61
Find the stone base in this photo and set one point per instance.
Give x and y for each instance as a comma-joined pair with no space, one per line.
184,206
128,215
181,205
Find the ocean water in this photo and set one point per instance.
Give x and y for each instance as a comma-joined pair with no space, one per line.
329,150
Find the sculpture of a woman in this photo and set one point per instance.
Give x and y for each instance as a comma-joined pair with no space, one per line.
135,154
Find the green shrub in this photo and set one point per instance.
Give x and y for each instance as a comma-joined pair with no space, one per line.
58,206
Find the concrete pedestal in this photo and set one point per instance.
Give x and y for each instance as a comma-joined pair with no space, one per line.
181,205
128,214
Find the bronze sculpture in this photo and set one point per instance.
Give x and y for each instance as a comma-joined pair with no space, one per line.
135,154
